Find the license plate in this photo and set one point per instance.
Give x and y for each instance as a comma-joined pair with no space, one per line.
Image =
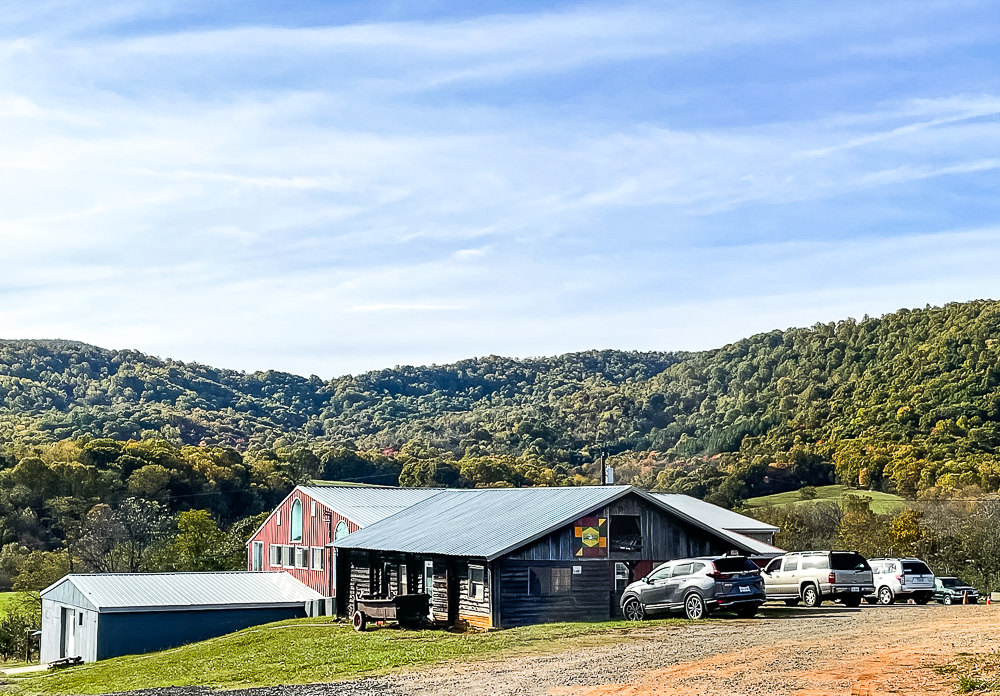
744,588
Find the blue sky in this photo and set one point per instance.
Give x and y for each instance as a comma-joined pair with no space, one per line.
335,187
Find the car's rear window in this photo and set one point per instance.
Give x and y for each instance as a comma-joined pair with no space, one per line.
733,564
915,568
848,561
950,582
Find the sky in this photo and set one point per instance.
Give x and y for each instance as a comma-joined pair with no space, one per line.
334,187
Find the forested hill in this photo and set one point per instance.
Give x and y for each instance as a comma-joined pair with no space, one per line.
907,402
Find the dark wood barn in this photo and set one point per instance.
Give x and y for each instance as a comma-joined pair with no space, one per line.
496,558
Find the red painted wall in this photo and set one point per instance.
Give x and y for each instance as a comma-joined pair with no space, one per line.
316,532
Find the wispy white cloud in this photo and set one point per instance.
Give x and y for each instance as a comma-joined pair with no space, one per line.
336,198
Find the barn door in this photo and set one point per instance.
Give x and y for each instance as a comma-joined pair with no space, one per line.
67,632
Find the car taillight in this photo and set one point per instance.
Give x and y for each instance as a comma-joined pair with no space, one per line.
832,578
902,579
715,574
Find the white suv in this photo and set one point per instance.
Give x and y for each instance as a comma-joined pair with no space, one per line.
815,576
901,578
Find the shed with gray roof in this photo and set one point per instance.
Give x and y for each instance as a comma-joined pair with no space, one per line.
104,615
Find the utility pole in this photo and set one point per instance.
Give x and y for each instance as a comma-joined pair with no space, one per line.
604,467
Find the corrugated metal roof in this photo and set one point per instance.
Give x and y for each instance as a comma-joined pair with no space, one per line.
716,516
481,523
759,548
116,592
365,505
487,523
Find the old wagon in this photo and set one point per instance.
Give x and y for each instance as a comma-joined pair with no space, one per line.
409,610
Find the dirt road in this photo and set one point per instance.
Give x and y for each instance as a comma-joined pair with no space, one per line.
831,650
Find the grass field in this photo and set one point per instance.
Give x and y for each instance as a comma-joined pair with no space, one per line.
315,650
4,598
881,502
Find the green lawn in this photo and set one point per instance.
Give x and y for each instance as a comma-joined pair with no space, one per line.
881,502
318,650
4,598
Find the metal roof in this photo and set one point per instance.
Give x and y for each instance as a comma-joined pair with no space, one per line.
365,505
714,515
121,592
482,522
487,523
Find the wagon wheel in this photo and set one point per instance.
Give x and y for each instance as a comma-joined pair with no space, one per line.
359,621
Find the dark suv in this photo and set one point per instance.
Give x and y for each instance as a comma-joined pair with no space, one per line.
696,586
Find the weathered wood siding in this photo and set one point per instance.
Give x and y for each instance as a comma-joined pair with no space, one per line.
664,537
316,532
589,600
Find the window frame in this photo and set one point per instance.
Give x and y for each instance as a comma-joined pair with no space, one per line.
341,525
256,566
314,553
295,518
477,588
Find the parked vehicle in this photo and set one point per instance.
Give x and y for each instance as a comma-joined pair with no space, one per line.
901,578
954,591
813,577
696,587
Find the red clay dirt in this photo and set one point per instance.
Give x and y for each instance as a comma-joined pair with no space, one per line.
833,651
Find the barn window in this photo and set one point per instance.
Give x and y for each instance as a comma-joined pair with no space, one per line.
288,556
301,557
341,531
296,520
274,554
625,533
477,582
257,555
312,508
317,559
549,581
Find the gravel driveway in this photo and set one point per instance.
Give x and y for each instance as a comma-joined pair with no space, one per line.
830,650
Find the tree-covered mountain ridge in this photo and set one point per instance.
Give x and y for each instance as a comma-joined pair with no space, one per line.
907,402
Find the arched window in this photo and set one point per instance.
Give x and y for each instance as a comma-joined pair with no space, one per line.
296,522
341,530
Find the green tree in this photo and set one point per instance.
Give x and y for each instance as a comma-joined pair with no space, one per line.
200,544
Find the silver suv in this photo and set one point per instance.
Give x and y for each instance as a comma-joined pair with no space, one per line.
696,586
901,578
815,576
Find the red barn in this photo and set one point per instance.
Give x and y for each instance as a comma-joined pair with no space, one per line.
297,537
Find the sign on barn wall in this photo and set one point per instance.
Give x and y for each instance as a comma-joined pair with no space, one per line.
590,537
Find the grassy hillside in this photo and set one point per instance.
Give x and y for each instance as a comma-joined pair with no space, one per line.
316,650
901,403
881,502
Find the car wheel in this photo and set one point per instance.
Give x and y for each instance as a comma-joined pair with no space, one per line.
359,621
852,601
747,612
947,599
634,610
694,606
885,596
810,596
791,602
